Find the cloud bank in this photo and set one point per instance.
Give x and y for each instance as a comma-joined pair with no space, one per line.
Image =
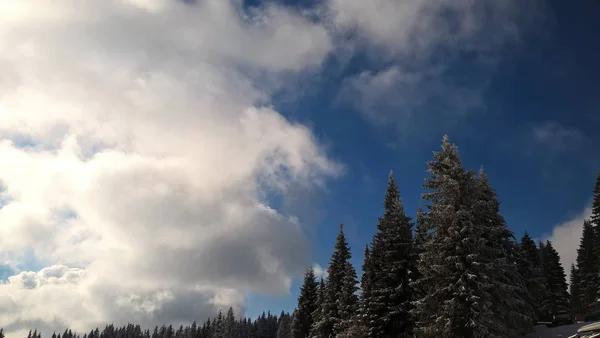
137,153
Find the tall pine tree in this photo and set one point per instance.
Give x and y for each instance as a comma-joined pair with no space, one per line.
340,302
575,292
317,328
307,304
556,301
389,301
284,326
530,267
455,266
586,269
512,312
366,282
421,237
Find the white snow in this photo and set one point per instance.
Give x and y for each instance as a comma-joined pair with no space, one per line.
541,331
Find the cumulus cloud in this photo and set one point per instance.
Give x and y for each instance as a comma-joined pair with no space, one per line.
137,148
421,44
565,239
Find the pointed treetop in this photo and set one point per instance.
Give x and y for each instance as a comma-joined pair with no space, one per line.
448,155
481,171
392,199
445,139
341,226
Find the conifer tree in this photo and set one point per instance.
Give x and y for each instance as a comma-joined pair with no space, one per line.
347,301
365,288
284,326
218,325
316,329
229,326
340,301
392,257
575,291
586,268
531,269
420,238
455,265
511,309
307,304
556,300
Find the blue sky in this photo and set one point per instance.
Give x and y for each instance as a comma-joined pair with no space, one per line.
534,133
205,158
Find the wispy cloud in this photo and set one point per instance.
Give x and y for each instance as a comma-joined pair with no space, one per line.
421,44
557,137
408,100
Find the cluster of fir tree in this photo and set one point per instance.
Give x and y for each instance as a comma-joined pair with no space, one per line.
222,326
585,275
460,273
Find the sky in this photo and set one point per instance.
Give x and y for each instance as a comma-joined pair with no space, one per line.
163,159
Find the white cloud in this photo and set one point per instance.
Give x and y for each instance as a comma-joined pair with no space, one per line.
421,44
565,239
320,271
394,95
136,152
401,28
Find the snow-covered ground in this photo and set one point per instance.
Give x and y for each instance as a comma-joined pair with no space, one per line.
541,331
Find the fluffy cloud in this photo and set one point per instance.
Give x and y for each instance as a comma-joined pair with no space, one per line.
421,44
137,148
565,239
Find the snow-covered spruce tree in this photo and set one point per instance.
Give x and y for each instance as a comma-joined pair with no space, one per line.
365,289
586,268
455,265
421,236
347,302
317,329
557,297
511,309
530,267
575,292
307,304
389,302
340,302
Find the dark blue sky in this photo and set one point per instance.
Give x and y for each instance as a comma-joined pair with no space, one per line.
534,128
